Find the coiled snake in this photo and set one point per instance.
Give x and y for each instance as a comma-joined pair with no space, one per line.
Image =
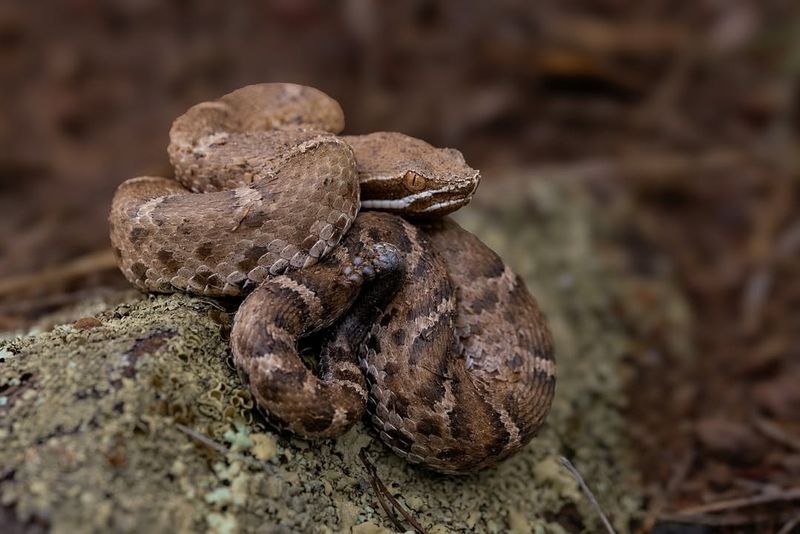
421,325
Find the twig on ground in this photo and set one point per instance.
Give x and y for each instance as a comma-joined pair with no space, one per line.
220,448
202,438
788,527
91,263
373,480
791,494
380,488
680,473
587,492
659,499
710,520
776,433
29,305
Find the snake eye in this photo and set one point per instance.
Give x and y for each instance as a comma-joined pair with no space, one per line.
414,181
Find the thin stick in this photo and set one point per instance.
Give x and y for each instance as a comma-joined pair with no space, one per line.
222,449
789,526
202,438
419,529
100,260
373,480
776,433
731,520
743,502
680,474
34,304
587,492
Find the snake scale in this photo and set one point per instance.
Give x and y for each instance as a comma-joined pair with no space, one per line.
420,326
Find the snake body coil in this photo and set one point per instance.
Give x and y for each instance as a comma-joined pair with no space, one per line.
422,325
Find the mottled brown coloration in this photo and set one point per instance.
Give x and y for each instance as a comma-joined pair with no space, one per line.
285,308
469,389
297,209
428,331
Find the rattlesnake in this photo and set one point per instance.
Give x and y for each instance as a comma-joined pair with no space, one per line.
421,325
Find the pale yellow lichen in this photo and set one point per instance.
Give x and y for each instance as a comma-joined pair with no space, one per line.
368,527
550,471
265,447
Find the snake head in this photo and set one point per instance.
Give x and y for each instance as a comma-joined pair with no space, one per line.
407,175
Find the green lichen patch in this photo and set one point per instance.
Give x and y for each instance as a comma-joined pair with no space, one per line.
139,423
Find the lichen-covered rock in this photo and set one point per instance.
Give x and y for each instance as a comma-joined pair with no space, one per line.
135,421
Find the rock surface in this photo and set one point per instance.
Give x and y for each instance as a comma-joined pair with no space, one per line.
132,419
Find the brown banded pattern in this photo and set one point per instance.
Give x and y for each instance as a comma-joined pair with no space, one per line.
427,331
455,380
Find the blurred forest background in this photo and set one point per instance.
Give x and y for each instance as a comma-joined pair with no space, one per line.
690,106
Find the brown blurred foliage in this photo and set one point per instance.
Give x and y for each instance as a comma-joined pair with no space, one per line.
691,105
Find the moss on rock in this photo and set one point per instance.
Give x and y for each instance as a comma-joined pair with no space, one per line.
137,422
